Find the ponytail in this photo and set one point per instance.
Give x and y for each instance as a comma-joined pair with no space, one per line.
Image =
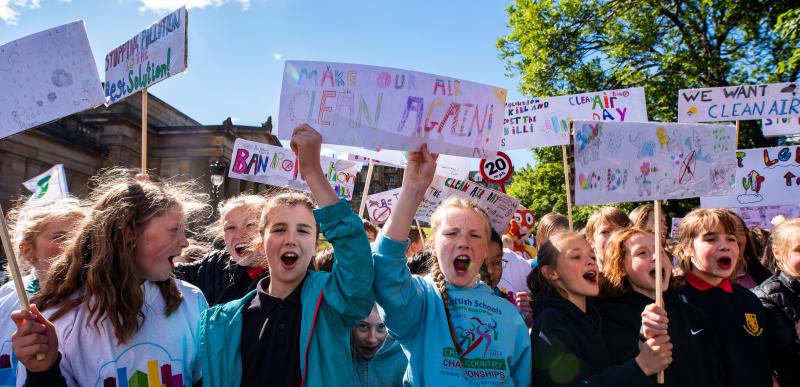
441,285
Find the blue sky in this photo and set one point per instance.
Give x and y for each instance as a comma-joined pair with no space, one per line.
237,48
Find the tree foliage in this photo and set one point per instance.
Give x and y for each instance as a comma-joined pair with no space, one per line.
571,46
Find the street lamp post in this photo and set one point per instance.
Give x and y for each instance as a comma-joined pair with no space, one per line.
217,176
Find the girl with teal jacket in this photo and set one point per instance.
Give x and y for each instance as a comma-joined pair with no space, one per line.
454,329
293,329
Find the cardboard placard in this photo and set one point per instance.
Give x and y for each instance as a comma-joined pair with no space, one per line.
738,103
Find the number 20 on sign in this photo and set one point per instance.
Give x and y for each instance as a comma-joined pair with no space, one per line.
497,170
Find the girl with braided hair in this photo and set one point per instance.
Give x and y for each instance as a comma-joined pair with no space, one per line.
454,329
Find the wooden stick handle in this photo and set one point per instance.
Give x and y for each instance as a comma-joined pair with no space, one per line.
13,267
659,290
567,185
144,131
366,189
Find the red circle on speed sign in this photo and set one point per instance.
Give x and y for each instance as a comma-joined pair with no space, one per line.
497,170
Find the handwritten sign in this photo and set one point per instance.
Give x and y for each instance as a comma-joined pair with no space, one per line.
151,56
743,102
762,216
764,176
446,165
374,107
274,165
622,162
46,76
543,122
781,126
499,206
673,231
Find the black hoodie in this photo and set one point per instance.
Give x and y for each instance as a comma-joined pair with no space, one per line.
569,349
695,360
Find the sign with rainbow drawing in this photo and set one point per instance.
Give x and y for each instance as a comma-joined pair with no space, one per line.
151,56
46,76
278,166
764,177
385,108
634,161
743,102
541,122
499,206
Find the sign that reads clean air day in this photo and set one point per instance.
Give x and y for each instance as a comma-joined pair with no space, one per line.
743,102
629,162
543,122
46,76
151,56
274,165
498,205
375,107
764,177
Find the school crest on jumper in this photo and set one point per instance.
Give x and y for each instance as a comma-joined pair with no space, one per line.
751,325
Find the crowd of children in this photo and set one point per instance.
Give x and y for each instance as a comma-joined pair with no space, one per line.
117,300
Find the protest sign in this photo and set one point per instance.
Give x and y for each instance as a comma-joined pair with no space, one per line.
764,176
780,126
274,165
374,107
497,170
49,186
543,122
151,56
499,206
673,231
622,162
762,216
446,165
743,102
46,76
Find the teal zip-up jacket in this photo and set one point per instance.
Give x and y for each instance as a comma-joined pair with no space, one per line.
494,338
333,304
385,369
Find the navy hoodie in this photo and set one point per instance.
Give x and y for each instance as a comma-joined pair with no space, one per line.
568,348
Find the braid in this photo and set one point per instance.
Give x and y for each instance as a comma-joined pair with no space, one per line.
441,285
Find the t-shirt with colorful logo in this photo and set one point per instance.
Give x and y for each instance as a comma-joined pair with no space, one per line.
161,353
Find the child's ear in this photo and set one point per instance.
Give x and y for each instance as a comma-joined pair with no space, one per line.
25,250
549,273
776,251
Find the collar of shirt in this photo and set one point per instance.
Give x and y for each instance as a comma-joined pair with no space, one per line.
701,284
269,302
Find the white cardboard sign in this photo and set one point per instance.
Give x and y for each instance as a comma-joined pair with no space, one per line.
762,216
446,165
630,161
743,102
376,107
780,126
151,56
541,122
46,76
764,177
498,205
274,165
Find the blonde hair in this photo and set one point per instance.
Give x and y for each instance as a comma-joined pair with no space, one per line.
99,257
435,270
550,224
781,237
548,255
640,214
606,215
28,219
697,222
283,199
253,202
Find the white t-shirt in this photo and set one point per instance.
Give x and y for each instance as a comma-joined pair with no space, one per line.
515,274
164,349
9,302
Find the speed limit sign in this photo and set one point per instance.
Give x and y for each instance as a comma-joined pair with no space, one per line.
497,170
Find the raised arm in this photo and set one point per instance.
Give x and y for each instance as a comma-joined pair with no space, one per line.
399,293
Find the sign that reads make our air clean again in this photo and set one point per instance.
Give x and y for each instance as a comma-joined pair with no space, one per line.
385,108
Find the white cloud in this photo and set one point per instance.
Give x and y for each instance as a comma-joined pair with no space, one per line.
9,9
277,56
171,5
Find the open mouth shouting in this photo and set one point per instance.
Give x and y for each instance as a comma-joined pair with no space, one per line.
653,273
725,263
172,261
591,276
242,249
288,260
461,264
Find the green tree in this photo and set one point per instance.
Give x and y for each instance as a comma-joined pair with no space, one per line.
570,46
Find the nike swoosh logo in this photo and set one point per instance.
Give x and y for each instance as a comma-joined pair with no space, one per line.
695,332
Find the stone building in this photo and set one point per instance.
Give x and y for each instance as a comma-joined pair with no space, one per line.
110,136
